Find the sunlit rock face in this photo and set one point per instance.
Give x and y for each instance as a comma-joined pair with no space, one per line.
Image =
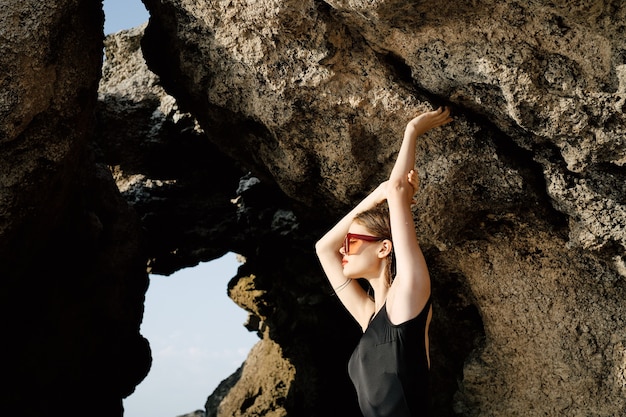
252,126
521,211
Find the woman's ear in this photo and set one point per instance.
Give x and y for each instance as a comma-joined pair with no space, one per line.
385,249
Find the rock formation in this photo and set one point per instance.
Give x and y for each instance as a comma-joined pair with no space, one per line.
250,127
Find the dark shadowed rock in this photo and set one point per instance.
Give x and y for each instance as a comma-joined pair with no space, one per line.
251,127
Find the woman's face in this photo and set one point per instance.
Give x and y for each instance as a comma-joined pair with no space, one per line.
360,252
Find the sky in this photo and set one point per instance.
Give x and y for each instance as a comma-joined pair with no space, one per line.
196,333
123,14
197,337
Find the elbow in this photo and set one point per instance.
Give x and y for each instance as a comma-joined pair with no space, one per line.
320,246
398,186
396,183
399,190
325,247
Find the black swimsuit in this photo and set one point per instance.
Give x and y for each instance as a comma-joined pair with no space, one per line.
389,367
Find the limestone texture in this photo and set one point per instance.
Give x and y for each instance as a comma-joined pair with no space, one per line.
251,127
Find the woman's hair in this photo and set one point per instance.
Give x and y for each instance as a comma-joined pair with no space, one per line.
376,220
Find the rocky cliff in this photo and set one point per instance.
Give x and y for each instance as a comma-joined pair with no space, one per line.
251,127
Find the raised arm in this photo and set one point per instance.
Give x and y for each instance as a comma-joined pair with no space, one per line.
351,294
412,281
411,286
421,124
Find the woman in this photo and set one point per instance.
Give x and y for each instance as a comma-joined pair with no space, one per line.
377,241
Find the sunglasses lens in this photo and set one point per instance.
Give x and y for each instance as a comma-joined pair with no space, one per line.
352,245
346,245
353,242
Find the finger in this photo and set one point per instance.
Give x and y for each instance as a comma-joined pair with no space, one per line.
445,113
444,117
413,180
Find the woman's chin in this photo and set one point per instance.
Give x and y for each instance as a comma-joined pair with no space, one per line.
348,274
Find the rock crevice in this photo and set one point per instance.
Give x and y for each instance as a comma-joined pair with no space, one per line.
251,127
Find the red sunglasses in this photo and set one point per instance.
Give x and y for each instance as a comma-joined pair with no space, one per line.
354,241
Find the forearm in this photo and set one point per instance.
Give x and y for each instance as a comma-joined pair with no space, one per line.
405,160
334,237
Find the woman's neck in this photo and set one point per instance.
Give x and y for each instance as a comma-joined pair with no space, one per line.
381,289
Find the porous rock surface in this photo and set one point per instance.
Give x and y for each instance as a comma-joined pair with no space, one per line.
252,126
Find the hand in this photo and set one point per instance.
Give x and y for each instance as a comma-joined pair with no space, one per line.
429,120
